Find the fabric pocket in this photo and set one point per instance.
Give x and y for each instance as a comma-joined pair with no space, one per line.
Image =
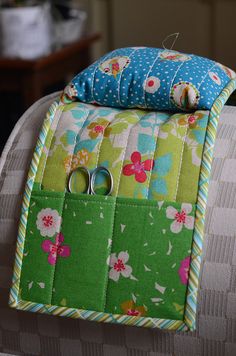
150,258
67,244
107,254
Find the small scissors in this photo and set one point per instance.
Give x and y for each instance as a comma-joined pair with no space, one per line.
90,178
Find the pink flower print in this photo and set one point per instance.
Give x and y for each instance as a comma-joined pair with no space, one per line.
184,270
48,222
55,249
118,266
138,168
181,218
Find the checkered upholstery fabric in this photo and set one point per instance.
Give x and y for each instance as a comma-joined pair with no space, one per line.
24,333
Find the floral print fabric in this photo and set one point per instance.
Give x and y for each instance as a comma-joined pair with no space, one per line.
124,256
151,155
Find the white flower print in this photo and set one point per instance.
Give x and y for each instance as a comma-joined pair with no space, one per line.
151,85
118,266
48,222
181,218
215,78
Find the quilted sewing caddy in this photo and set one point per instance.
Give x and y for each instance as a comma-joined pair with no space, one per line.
149,117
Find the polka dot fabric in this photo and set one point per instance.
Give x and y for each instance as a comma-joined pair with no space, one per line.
150,78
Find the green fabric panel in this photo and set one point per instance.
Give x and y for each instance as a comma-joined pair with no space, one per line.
54,173
140,151
157,256
151,155
80,280
49,142
192,156
167,157
36,273
74,260
113,151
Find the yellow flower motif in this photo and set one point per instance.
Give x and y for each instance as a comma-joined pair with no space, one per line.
190,119
131,309
99,127
81,158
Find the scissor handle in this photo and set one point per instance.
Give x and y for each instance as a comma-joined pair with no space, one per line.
88,176
93,178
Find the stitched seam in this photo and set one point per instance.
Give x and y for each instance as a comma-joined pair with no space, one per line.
150,177
95,71
119,83
147,75
173,79
64,200
169,202
109,256
214,65
125,149
180,165
49,149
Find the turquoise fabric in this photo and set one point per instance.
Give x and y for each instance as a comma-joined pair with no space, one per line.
150,78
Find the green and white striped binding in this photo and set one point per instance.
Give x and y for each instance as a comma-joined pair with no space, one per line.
189,322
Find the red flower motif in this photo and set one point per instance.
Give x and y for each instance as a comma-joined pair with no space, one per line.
138,168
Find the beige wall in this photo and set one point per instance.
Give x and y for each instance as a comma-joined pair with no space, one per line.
207,27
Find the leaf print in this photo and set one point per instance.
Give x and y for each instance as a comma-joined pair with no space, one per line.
63,302
163,165
156,301
88,145
160,289
159,186
118,128
146,143
122,227
127,116
146,269
41,285
169,249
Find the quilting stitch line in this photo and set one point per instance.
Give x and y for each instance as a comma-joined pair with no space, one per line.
110,249
181,163
119,83
63,199
173,79
95,71
50,145
100,145
151,173
125,148
148,73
